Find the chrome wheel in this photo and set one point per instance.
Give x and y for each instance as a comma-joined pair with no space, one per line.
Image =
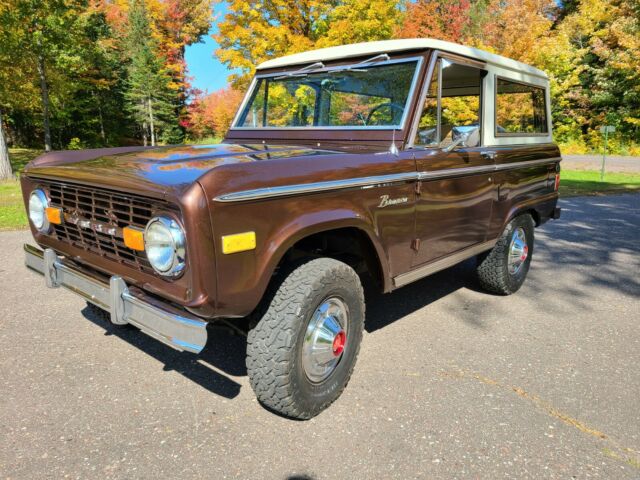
325,339
518,250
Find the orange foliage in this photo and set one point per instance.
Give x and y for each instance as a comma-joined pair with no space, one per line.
509,28
212,114
515,29
444,20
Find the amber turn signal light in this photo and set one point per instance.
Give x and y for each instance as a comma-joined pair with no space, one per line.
239,242
133,238
54,215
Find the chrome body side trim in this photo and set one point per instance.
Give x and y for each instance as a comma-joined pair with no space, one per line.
179,330
437,265
459,172
303,188
374,181
527,163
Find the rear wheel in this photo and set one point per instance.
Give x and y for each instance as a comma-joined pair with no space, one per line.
503,269
301,353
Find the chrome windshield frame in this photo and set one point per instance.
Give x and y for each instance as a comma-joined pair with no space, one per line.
403,121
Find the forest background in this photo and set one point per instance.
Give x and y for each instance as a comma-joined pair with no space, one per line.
93,73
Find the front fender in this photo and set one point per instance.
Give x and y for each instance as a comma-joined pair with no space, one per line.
244,277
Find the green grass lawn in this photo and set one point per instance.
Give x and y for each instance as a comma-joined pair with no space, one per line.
12,212
204,141
21,156
572,183
578,182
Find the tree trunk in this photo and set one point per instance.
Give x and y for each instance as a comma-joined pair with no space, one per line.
102,134
144,133
44,92
5,165
151,123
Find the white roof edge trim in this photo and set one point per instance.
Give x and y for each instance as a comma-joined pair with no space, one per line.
388,46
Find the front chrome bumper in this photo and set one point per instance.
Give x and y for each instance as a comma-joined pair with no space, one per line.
177,329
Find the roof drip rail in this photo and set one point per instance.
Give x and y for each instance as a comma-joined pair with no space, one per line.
303,72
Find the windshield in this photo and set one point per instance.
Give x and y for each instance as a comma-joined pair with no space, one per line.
360,96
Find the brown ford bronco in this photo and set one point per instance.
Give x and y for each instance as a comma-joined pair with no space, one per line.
391,159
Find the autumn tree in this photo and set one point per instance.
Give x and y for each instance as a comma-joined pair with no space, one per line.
148,92
594,61
44,32
212,114
253,31
14,86
356,21
440,19
516,28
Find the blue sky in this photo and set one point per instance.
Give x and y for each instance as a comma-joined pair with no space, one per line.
207,72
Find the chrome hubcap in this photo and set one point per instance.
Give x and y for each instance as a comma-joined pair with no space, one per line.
325,339
518,251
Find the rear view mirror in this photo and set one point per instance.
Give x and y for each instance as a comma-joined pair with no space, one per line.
467,139
473,138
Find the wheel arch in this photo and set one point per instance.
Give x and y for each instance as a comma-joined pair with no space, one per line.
250,278
538,208
348,239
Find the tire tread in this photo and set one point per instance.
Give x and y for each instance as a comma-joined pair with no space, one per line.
270,356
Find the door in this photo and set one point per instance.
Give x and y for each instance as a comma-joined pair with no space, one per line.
456,190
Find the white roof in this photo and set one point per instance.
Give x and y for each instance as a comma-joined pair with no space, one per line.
388,46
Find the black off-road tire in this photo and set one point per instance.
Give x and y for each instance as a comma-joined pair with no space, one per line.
274,345
493,270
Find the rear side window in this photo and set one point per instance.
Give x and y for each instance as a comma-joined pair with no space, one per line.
520,109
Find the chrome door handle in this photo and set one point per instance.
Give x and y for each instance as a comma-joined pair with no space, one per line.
488,155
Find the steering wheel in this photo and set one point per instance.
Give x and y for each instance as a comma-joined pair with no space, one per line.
389,105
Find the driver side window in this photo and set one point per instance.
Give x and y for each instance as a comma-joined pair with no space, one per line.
452,106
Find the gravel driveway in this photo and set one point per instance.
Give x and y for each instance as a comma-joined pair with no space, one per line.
450,382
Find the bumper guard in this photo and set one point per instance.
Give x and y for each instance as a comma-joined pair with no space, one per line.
175,328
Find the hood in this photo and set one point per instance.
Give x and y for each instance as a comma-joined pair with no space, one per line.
156,171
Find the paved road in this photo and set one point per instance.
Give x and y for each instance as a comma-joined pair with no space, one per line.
451,382
594,162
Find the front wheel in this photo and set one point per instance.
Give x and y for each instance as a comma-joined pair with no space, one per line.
301,353
503,269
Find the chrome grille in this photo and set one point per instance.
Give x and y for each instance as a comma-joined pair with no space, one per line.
114,210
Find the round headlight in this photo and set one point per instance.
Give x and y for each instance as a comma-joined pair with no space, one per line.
165,245
37,205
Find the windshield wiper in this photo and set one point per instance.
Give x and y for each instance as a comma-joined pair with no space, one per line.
359,67
303,72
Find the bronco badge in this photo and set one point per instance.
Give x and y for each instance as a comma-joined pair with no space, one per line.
385,201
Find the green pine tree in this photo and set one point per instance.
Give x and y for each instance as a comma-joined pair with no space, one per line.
148,95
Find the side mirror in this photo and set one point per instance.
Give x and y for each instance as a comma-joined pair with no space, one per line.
466,139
